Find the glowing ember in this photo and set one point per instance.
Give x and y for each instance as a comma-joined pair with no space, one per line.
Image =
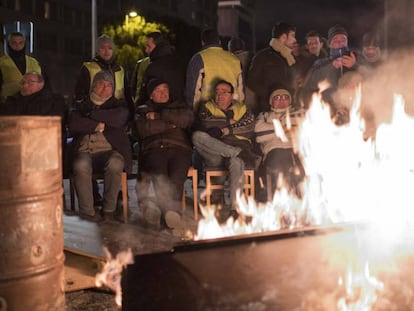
110,275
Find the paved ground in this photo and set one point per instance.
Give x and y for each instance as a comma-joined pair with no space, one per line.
90,237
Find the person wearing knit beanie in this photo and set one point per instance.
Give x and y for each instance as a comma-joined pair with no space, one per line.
102,87
336,30
276,131
103,76
280,98
105,47
341,60
152,84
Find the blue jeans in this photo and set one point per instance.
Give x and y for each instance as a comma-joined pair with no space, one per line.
215,153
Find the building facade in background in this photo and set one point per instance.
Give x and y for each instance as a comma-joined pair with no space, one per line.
62,28
237,19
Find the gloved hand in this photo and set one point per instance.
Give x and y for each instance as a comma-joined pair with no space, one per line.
214,132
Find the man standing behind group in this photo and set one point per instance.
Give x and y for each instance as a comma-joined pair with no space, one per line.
273,65
14,65
209,66
104,60
164,65
332,68
312,53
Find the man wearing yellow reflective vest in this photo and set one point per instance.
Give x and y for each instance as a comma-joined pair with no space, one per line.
209,66
103,61
14,65
223,137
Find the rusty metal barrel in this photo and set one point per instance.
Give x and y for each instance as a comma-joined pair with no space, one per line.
31,221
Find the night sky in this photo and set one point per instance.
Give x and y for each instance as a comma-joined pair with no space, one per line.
357,16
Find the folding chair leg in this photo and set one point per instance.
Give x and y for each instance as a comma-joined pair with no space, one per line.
124,183
72,194
195,195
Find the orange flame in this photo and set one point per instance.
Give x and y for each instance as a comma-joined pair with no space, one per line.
110,275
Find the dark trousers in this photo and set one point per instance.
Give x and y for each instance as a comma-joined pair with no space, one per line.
167,169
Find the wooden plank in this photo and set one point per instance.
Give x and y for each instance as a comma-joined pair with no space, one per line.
80,270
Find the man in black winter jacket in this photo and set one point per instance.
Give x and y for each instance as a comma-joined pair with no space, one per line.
274,65
164,65
101,145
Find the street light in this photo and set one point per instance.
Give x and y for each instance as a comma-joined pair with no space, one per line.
131,14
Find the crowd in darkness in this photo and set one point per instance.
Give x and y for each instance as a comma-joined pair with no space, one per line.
219,110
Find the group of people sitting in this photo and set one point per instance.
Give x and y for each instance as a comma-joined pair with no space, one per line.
219,129
222,134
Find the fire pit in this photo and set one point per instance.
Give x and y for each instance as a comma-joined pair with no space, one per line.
348,266
284,270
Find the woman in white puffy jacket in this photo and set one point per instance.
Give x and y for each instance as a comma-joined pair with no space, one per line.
275,130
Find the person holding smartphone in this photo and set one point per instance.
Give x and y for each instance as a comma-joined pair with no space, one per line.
330,69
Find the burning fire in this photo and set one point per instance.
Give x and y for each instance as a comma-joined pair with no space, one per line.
110,275
360,290
349,179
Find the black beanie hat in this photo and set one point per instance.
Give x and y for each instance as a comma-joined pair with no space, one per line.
335,30
152,84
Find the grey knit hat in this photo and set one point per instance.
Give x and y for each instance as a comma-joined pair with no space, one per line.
104,38
336,30
102,76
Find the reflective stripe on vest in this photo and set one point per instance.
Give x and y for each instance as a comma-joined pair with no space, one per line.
218,65
238,108
12,75
142,66
94,68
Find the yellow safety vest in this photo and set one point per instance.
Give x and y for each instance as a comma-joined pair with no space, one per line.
219,65
239,109
142,66
12,75
94,68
